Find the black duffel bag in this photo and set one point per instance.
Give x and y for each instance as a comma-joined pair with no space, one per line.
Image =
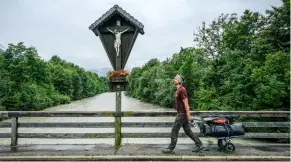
213,130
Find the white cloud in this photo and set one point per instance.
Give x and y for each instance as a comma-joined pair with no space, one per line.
61,27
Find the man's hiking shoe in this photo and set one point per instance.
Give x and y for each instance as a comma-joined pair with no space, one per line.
198,148
168,151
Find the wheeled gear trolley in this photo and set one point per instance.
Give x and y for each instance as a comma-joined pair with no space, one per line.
221,127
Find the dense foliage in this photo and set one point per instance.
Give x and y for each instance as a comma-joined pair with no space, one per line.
237,63
29,83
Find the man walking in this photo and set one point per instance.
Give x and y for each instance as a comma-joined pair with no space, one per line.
182,119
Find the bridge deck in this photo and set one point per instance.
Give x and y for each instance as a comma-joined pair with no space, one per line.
143,152
140,149
243,149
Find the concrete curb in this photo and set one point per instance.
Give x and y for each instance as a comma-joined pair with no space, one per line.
212,144
145,158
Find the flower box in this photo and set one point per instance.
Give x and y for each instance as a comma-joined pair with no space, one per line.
117,79
117,83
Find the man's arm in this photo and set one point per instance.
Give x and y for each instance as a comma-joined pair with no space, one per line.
187,108
186,104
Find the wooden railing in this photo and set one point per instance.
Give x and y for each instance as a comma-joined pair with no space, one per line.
14,124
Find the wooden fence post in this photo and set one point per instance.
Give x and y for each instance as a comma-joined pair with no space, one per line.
14,132
118,119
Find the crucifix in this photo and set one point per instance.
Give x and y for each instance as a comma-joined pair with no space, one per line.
117,41
118,30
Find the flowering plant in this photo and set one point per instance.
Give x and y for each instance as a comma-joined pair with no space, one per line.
121,72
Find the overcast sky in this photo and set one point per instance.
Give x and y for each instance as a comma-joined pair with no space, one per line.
61,26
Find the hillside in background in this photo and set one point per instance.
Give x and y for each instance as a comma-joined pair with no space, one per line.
2,48
101,71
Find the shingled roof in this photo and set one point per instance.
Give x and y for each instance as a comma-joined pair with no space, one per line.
123,13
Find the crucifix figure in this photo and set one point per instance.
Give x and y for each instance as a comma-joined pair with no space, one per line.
117,41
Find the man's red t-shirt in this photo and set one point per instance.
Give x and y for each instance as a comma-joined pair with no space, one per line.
181,94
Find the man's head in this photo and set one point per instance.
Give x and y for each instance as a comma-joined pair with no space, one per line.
178,79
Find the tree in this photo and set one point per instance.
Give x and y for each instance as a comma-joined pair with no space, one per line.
29,83
238,63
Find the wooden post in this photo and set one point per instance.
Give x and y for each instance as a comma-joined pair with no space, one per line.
118,119
14,132
118,62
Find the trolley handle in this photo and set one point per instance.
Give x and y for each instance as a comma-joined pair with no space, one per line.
194,122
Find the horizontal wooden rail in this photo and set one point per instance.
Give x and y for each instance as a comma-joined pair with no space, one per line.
266,124
60,135
140,113
168,135
62,125
126,124
129,135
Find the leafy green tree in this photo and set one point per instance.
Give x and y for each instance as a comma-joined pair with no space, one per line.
238,63
29,83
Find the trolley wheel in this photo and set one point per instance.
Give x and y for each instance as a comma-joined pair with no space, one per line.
229,147
221,143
